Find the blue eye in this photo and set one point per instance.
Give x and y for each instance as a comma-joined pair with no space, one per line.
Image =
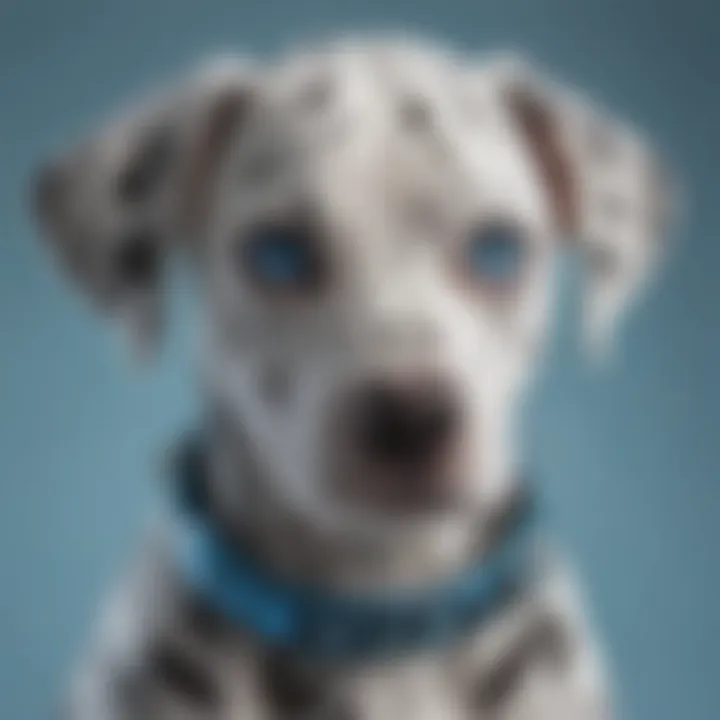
281,258
497,253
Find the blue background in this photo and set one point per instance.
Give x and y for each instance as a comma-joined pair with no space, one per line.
629,457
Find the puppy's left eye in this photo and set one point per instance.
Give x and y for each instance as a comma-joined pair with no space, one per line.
282,259
496,253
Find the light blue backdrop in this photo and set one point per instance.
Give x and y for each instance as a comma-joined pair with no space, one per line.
629,458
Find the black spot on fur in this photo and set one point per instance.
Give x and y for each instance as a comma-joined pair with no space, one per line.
291,688
544,641
137,262
144,173
184,675
203,621
415,113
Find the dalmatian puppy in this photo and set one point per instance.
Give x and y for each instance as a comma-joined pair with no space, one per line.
373,225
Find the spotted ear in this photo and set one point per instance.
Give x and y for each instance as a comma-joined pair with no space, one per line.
114,206
611,194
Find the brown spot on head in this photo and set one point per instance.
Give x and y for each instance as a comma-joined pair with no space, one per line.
536,122
221,120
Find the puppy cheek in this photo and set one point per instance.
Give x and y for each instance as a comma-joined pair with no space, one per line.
492,437
302,434
293,411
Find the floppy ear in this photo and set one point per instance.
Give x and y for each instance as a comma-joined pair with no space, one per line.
611,194
117,204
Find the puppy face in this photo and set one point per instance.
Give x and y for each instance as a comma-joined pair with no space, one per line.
375,229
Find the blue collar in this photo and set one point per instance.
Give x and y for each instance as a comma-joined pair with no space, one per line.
328,627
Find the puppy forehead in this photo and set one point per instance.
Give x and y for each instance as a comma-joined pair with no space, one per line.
363,128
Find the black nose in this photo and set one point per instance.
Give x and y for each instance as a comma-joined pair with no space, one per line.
406,423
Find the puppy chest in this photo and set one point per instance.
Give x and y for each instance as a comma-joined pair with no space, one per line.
471,684
418,691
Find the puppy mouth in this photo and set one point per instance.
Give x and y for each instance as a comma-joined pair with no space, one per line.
412,490
400,491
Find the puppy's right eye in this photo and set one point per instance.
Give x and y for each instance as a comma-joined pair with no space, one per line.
282,259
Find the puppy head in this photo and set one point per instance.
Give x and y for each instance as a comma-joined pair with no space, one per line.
374,227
